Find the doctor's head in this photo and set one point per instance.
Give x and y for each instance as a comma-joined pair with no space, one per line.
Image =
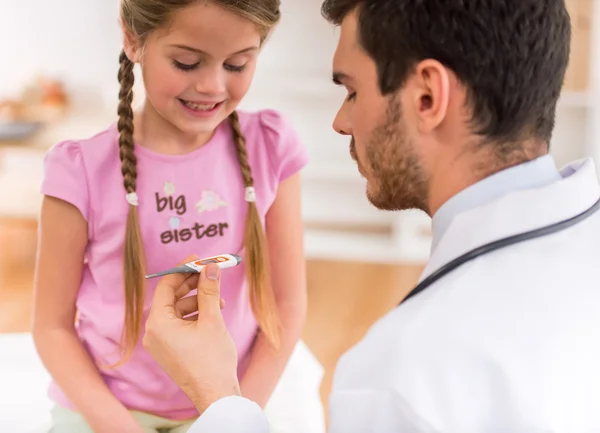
441,93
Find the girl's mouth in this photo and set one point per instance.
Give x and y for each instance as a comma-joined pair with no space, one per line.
201,109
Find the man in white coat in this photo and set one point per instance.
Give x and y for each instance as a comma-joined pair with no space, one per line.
450,108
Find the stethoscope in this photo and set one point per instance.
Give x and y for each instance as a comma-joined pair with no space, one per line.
500,243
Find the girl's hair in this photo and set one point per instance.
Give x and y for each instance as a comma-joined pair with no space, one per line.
140,18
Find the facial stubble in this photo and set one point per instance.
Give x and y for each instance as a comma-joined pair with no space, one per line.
393,167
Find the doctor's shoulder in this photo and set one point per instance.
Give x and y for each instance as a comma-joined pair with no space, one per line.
437,353
501,341
394,378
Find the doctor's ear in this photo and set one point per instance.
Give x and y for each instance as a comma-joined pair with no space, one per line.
430,94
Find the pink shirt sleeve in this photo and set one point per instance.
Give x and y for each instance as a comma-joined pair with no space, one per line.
285,149
65,177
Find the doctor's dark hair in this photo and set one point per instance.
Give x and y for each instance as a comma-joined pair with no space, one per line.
511,55
140,18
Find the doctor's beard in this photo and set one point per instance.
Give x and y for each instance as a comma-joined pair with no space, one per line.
393,167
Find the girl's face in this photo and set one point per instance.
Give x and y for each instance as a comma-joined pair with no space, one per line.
198,69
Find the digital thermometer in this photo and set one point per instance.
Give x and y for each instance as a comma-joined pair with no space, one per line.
223,261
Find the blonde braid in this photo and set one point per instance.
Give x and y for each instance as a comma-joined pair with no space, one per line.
262,298
133,254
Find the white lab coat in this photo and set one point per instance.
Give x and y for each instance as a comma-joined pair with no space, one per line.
507,343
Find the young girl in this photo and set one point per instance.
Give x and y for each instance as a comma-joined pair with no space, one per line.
186,175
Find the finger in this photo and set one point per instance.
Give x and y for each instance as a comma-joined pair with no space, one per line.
194,316
190,283
189,305
163,301
209,291
186,306
178,279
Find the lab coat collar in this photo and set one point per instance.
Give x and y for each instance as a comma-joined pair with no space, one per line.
536,173
517,212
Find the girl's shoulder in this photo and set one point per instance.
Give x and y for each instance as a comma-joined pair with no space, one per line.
71,166
271,124
86,151
272,138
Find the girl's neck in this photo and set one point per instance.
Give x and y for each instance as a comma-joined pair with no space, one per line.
155,133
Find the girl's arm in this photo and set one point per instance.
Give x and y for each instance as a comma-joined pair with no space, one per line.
62,243
286,252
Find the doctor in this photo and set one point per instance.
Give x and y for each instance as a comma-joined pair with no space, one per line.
450,110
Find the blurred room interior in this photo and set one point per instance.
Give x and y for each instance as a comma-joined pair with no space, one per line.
58,81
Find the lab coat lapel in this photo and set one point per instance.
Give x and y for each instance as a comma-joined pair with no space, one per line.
518,212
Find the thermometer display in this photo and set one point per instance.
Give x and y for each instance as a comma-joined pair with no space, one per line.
223,261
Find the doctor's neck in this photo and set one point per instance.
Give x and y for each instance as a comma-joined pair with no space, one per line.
454,172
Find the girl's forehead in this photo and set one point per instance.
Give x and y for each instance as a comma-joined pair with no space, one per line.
210,28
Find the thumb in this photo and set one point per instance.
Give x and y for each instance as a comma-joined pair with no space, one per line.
209,291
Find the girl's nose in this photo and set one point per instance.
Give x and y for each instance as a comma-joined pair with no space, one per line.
211,82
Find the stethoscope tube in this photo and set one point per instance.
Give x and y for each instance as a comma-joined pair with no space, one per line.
498,244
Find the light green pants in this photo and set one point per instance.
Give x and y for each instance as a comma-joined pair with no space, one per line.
67,421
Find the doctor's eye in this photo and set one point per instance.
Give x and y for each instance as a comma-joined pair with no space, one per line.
351,96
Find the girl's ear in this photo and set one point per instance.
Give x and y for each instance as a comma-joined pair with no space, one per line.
130,46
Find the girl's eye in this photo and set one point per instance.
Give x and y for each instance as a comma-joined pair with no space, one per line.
234,68
351,96
190,67
185,66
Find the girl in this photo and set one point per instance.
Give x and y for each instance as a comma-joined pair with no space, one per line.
177,178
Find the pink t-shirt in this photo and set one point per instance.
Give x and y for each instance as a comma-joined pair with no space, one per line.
188,204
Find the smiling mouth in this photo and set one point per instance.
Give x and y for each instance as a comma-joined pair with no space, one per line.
200,107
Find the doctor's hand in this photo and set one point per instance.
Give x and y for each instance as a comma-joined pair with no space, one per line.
197,353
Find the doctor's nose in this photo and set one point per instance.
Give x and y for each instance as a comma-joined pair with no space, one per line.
341,124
